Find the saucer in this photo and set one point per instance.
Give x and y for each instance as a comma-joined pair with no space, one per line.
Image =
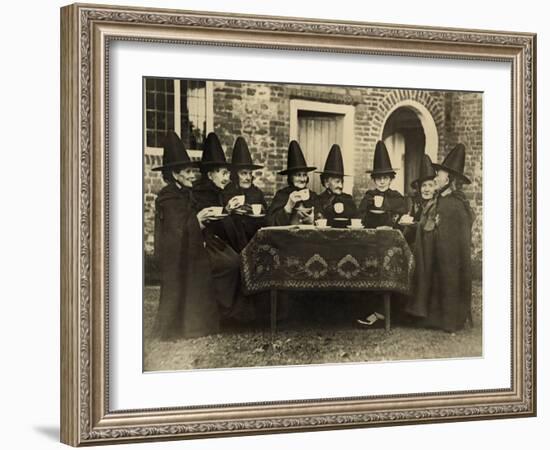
220,216
256,215
360,227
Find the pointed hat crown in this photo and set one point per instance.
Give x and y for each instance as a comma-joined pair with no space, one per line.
295,160
426,172
212,154
240,158
174,153
382,162
454,163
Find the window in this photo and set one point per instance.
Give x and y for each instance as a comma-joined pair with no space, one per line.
179,105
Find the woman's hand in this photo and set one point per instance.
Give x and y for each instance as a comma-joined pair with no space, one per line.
234,203
293,198
203,215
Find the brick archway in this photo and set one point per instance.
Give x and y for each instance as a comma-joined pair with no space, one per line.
428,110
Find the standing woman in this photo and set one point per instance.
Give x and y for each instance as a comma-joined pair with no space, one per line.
187,306
443,278
242,184
294,204
424,187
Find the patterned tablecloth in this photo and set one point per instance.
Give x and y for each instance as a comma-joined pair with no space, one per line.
331,259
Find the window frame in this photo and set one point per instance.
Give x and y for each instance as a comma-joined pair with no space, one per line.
193,152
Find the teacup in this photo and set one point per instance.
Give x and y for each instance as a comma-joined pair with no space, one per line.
304,194
256,209
321,223
356,223
378,200
216,210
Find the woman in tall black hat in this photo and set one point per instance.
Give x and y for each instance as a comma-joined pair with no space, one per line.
424,193
295,203
443,275
382,206
223,237
334,204
242,185
187,306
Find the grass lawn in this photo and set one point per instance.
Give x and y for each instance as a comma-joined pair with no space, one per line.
297,343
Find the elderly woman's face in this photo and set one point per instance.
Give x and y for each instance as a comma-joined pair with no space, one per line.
245,178
442,179
185,176
219,176
334,184
427,189
299,179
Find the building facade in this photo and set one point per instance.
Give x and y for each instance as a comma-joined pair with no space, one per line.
269,115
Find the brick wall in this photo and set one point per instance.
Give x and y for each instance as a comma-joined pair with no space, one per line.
260,112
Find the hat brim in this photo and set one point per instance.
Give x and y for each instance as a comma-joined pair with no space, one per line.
247,166
464,178
333,174
177,164
382,172
297,169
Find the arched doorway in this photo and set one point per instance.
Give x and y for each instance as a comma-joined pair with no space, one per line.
409,131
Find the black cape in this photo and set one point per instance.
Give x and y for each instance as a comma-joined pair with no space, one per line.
276,215
207,194
187,306
327,200
253,195
393,206
443,275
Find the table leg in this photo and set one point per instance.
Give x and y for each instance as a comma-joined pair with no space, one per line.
387,310
273,296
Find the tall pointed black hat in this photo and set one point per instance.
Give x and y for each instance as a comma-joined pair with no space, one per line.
382,162
241,159
174,153
296,160
334,165
427,172
212,154
454,163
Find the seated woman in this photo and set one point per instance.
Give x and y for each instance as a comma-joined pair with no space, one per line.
187,306
242,184
294,204
382,206
334,204
222,236
424,187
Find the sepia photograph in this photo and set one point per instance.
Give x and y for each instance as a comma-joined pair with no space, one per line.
294,224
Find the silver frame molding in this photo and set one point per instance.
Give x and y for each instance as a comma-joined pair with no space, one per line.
86,31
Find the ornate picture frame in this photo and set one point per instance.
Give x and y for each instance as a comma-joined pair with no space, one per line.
87,31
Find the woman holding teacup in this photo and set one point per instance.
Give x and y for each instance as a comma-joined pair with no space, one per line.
424,187
382,206
335,206
251,213
294,204
223,236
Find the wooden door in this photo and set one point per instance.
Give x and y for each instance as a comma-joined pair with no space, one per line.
317,132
